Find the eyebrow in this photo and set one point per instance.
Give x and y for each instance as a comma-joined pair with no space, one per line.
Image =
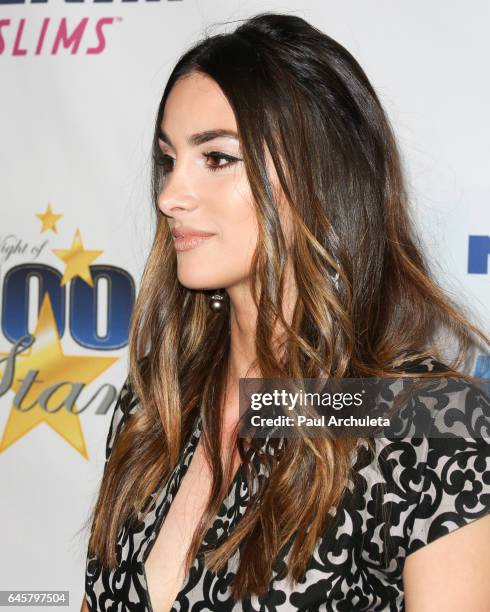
200,137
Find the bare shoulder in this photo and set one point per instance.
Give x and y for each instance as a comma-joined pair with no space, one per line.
451,573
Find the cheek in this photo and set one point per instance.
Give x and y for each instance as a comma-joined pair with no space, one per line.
240,223
228,208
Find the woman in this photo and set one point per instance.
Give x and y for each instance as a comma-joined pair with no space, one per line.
276,178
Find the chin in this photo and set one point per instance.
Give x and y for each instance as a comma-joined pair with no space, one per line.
207,275
199,271
198,281
195,285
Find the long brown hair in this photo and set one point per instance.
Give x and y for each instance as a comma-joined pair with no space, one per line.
301,94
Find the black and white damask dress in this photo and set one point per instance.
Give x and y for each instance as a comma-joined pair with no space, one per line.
405,494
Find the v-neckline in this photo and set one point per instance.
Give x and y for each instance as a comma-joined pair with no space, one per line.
163,508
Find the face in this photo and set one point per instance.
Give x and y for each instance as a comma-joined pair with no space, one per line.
205,187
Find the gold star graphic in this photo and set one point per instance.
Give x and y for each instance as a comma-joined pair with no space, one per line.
77,260
49,219
46,357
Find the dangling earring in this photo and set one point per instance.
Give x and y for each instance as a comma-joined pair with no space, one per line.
217,300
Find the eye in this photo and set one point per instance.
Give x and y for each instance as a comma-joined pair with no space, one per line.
216,157
166,161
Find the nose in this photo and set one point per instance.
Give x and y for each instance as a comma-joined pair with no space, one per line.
175,198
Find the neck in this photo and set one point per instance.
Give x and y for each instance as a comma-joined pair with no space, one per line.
243,320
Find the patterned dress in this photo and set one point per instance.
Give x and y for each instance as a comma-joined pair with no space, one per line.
405,494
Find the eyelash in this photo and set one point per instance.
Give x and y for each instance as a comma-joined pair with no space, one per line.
216,156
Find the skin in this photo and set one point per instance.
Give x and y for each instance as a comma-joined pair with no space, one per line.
449,574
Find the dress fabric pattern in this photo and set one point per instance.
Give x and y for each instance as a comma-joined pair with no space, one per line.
401,496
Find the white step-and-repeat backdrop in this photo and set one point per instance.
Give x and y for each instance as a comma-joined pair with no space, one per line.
80,86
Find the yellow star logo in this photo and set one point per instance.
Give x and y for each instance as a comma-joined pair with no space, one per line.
47,359
49,219
77,260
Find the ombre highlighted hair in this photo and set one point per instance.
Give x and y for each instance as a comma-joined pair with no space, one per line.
300,95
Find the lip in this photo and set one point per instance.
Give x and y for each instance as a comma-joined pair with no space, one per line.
187,238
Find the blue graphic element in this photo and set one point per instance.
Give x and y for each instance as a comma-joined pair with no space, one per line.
82,305
478,252
83,309
482,370
15,298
